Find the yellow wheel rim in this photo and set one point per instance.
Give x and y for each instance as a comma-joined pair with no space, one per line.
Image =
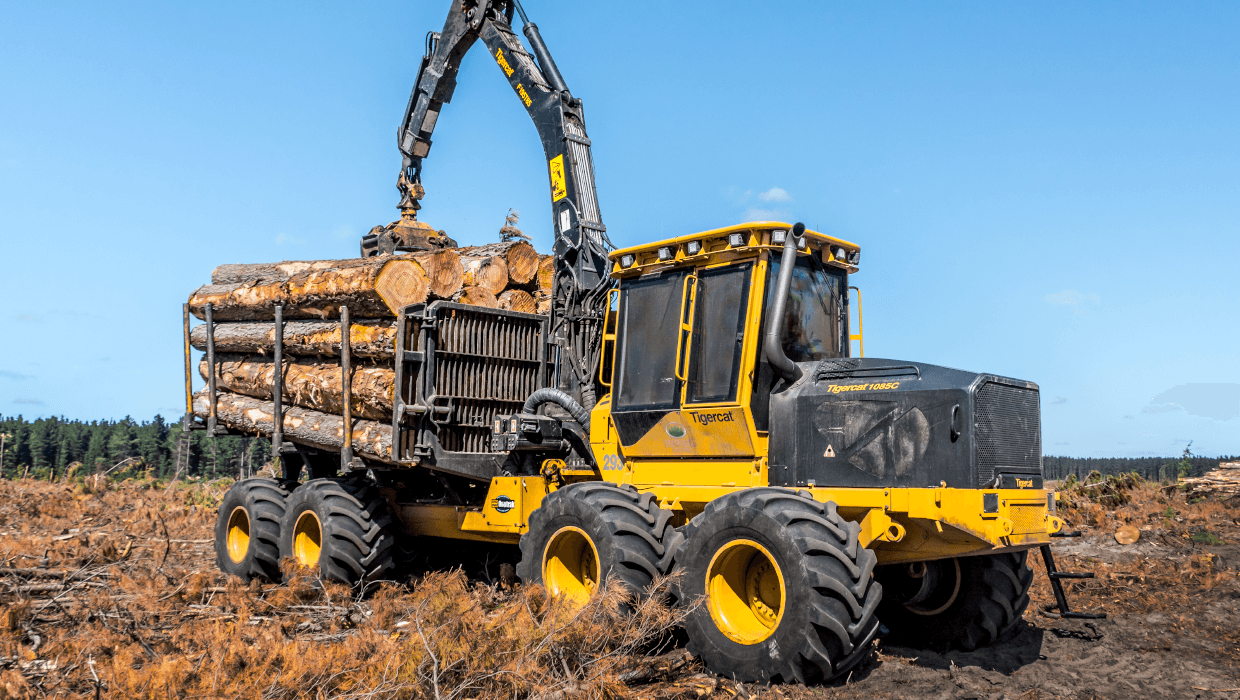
570,565
238,539
745,591
307,539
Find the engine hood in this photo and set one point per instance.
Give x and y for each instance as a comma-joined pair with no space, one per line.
871,422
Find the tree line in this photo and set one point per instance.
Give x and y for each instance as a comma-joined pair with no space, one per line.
49,448
1152,468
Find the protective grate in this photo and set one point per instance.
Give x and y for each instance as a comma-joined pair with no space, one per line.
486,364
1009,431
1027,519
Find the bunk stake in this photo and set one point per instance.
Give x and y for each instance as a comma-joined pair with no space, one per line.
211,417
279,448
189,381
1061,600
346,391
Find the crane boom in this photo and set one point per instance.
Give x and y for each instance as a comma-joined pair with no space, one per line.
581,243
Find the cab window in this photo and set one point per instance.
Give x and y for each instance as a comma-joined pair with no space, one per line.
718,334
649,318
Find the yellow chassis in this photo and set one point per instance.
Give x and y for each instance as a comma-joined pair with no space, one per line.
900,525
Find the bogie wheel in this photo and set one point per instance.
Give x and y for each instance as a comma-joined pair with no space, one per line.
963,603
785,588
585,533
247,529
341,529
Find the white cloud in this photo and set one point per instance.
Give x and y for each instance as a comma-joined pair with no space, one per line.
286,239
775,194
1071,297
343,233
756,214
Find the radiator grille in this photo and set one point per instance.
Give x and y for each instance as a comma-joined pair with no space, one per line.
1009,431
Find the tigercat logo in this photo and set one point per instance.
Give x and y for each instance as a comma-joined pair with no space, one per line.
708,418
503,62
1024,483
880,386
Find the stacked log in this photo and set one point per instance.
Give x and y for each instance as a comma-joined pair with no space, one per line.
1224,481
371,439
508,275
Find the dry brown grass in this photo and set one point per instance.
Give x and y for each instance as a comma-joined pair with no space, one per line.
112,592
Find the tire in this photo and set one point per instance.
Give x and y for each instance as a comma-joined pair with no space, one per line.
988,603
341,529
247,529
785,588
583,534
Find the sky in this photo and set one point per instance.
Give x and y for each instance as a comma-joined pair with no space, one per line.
1048,191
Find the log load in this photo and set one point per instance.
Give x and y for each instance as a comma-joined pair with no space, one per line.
370,287
445,275
520,257
546,273
369,339
477,296
518,300
269,272
371,439
488,272
310,384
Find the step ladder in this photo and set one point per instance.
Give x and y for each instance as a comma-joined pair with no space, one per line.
1055,576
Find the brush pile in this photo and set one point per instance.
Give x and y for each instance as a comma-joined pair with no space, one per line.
509,275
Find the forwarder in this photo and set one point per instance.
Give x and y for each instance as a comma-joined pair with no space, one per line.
690,406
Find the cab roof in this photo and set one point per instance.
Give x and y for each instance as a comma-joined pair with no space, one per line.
731,242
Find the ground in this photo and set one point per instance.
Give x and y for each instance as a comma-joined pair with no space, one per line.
109,589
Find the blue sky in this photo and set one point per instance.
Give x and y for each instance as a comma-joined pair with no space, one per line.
1049,191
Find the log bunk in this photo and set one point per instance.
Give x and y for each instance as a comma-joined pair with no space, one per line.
286,342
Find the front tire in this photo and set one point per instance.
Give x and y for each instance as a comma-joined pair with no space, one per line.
962,603
583,534
339,529
785,588
247,529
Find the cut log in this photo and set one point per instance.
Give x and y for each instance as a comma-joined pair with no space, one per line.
546,273
371,439
521,258
544,305
488,272
371,288
314,385
371,339
518,300
445,274
268,272
478,297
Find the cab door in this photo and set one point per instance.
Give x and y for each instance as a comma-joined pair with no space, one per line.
680,349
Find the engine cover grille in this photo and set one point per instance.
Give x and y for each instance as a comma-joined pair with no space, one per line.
1009,431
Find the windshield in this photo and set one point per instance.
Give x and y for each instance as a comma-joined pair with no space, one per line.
814,320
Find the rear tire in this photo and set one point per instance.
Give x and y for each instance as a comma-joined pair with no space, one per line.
247,529
786,588
340,529
974,608
584,534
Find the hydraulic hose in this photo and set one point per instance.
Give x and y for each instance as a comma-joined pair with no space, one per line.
564,401
773,344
